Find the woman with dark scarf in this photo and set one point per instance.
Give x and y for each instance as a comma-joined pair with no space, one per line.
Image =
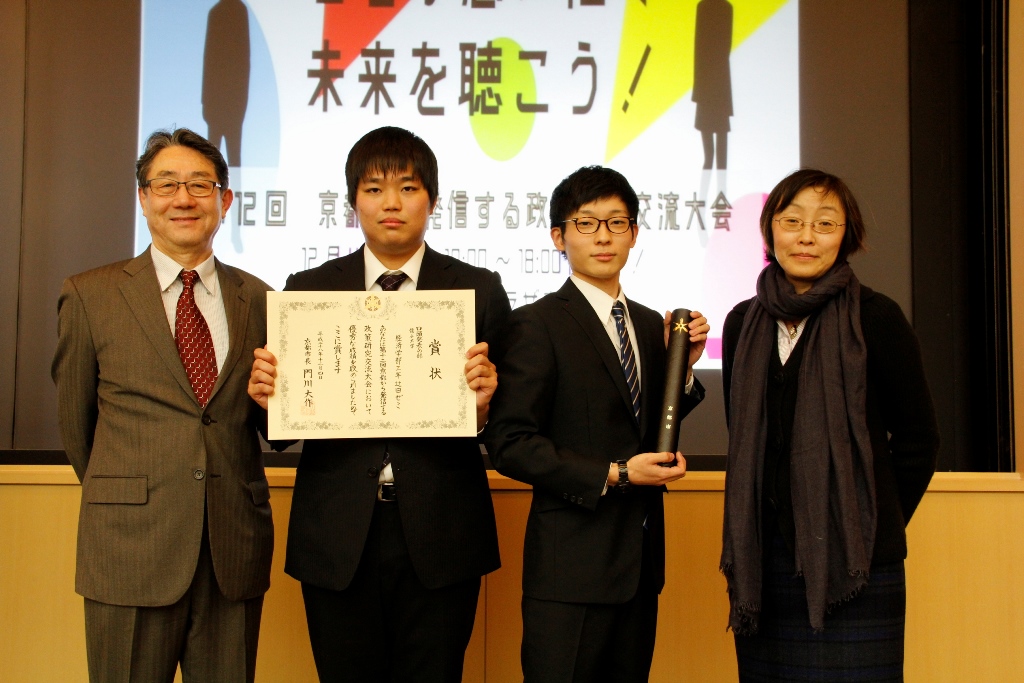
832,443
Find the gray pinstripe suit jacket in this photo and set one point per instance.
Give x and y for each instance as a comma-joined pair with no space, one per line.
152,462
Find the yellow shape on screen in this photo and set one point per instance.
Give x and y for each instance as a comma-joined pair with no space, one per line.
655,64
500,128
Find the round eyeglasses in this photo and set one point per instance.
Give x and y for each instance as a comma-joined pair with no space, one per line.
588,226
168,187
822,226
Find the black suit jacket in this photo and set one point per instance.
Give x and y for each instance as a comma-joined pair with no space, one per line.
443,496
561,415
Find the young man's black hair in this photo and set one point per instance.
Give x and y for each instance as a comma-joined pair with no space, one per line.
391,151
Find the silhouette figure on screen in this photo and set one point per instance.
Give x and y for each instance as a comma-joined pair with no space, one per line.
226,75
712,80
226,62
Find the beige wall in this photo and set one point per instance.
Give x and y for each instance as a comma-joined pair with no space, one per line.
965,612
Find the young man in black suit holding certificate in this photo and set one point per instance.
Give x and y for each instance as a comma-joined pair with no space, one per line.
582,378
390,537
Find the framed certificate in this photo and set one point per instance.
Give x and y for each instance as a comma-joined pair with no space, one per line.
371,364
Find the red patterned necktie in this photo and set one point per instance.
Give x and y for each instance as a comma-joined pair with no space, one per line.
195,344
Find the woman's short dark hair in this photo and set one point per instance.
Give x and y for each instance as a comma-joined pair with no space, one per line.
391,151
180,137
792,185
588,184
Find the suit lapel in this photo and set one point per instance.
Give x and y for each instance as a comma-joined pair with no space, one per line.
142,293
580,309
435,273
236,309
349,273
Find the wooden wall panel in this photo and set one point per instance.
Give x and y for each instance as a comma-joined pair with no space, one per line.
505,589
42,620
693,644
965,613
965,603
284,653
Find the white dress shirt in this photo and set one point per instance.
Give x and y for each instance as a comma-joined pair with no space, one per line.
373,269
207,295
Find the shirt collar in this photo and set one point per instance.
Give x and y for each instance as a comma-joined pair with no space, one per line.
788,332
599,300
373,268
167,270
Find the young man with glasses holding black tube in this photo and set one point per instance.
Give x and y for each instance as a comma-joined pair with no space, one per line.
582,378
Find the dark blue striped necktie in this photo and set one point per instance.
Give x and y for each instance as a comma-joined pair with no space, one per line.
626,356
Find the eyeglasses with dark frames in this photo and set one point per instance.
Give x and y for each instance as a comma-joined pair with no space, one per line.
588,226
168,187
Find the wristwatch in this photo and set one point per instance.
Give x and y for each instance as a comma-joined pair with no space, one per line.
623,475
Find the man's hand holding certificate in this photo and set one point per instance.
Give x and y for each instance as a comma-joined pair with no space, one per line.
370,364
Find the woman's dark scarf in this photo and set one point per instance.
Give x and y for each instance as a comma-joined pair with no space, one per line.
832,475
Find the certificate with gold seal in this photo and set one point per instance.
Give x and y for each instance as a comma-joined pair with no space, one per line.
371,364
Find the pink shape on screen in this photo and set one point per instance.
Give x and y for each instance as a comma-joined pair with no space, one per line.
713,348
733,260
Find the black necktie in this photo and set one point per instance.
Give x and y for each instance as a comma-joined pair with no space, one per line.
390,281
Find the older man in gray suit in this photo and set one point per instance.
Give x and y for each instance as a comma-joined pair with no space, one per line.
175,535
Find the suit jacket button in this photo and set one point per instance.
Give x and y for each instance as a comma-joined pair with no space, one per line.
198,474
206,420
572,499
565,496
372,472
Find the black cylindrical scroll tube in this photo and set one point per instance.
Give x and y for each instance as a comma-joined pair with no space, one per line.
675,380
